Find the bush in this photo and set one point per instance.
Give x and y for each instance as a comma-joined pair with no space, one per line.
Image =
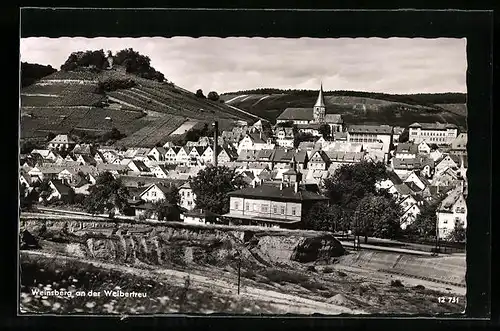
419,287
396,283
341,273
311,268
281,277
327,270
114,84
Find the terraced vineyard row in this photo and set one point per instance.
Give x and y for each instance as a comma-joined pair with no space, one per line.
59,88
65,120
74,99
153,133
197,109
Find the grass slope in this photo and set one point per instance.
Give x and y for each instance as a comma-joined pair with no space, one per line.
147,112
355,109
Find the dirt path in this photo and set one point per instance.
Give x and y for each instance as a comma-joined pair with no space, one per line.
383,277
285,302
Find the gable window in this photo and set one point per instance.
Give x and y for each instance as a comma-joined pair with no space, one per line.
294,211
282,210
275,209
247,206
236,205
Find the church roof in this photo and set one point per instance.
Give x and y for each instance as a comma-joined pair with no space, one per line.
321,101
298,114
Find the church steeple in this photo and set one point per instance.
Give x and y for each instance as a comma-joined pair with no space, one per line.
321,101
319,109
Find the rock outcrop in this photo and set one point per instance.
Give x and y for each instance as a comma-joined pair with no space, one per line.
179,244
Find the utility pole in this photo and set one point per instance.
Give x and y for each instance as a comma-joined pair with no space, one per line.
437,236
238,256
216,138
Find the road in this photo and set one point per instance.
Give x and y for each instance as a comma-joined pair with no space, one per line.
287,303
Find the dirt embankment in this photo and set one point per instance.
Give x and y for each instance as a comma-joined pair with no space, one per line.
168,245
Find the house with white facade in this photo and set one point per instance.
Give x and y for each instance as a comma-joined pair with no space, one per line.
187,196
155,192
452,212
62,141
158,153
370,134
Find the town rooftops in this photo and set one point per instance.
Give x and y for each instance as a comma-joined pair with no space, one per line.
298,114
448,202
60,187
62,139
433,126
268,192
140,165
407,148
373,129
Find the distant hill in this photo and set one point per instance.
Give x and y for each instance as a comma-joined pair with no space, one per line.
93,101
356,107
31,72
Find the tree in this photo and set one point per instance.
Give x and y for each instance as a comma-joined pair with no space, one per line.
212,185
321,217
107,194
404,136
325,130
89,59
351,182
50,136
199,94
457,234
425,222
137,64
377,216
213,96
26,198
300,137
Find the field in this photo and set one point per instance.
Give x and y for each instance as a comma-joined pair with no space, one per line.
355,110
155,132
65,101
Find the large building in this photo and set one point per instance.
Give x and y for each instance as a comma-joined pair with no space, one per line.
282,206
309,119
367,134
433,133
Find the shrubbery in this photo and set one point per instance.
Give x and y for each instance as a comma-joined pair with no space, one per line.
114,84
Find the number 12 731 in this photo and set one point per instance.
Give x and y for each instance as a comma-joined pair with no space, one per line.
448,299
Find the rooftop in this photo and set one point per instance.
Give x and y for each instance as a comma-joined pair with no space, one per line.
268,192
433,126
374,129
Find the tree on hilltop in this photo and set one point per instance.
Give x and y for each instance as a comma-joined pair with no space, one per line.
199,94
88,59
214,96
138,64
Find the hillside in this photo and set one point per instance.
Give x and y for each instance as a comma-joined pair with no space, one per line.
147,111
357,107
31,72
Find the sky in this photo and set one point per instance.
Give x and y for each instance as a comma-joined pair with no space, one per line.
393,65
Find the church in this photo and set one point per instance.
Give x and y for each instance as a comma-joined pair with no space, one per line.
310,119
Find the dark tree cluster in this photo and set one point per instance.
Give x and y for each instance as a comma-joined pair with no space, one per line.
108,137
214,96
96,61
89,59
137,64
212,185
31,72
106,195
356,204
300,137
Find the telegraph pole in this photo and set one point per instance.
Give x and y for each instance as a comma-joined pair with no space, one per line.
216,138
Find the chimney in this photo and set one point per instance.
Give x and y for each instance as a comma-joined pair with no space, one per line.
296,187
216,139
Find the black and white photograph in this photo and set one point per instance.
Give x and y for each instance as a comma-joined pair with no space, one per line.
242,175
